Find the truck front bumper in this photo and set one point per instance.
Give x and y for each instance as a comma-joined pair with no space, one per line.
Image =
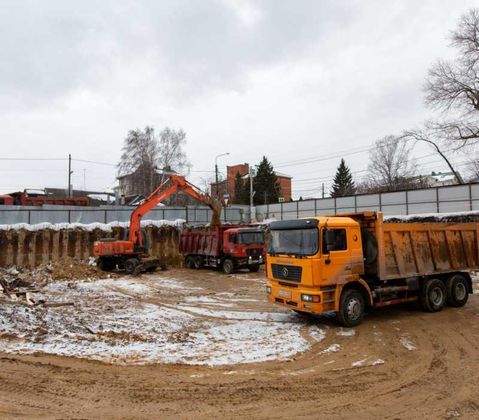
296,298
251,261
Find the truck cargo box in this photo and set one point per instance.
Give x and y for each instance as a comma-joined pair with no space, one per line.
203,241
408,249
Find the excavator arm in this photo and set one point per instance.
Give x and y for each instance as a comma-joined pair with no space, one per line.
174,184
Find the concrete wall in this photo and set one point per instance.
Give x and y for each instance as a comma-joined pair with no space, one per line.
24,248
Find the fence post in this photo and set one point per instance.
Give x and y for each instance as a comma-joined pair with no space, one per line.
29,217
186,213
355,204
437,199
297,209
315,207
470,197
106,216
380,202
335,206
407,202
281,211
69,216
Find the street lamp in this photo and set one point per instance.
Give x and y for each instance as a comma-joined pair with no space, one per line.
216,170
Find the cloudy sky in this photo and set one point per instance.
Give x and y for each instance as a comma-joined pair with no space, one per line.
302,82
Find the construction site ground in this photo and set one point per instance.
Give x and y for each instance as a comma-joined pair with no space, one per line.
201,344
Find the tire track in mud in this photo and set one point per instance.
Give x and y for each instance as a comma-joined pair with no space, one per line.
436,379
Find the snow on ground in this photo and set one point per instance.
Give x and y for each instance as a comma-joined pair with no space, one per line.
127,321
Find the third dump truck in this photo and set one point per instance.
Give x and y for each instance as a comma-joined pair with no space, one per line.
349,263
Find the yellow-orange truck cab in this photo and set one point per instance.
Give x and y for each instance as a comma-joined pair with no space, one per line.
347,263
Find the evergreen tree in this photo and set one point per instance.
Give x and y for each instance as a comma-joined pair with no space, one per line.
266,184
241,191
343,183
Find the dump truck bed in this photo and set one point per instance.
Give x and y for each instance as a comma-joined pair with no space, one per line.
203,241
408,249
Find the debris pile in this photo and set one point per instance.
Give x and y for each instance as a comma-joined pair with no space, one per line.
19,284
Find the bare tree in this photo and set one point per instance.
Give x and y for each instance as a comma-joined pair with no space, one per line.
391,167
452,87
171,153
139,159
474,168
144,153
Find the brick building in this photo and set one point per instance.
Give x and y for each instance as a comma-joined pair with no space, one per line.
228,184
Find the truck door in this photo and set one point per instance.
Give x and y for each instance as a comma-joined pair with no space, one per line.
336,259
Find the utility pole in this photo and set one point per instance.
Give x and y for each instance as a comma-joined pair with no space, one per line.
216,172
70,176
252,214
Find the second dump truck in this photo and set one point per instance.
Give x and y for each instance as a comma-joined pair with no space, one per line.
228,247
349,263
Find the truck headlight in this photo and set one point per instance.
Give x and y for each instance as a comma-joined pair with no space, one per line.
311,298
268,290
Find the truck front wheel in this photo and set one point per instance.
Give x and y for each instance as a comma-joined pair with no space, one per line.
433,296
254,268
352,308
457,291
228,266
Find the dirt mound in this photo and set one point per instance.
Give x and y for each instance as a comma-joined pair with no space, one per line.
66,269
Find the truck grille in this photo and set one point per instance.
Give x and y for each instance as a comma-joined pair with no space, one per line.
286,272
254,252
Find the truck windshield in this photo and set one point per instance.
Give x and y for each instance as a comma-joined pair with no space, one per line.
294,242
248,238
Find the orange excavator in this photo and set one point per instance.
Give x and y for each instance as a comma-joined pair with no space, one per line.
132,254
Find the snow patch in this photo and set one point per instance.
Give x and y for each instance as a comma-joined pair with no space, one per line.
333,348
359,363
346,333
407,343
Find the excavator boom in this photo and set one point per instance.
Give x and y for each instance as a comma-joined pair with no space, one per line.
132,253
174,184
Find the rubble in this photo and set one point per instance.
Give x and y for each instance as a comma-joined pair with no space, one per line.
18,284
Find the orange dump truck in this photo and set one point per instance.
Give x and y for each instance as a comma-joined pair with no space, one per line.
349,263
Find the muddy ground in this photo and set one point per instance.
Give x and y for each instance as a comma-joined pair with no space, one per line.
199,344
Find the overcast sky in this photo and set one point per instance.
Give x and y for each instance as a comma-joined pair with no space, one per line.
292,80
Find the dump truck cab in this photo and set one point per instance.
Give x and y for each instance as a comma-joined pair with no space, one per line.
311,260
244,243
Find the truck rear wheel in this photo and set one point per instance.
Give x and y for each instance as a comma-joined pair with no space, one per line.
130,265
190,262
352,308
198,263
228,266
433,297
457,291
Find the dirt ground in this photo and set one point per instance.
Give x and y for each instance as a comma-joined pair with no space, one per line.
400,363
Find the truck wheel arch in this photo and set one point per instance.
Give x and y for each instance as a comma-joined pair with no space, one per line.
359,285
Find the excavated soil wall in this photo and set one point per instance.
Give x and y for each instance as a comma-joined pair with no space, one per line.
24,248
